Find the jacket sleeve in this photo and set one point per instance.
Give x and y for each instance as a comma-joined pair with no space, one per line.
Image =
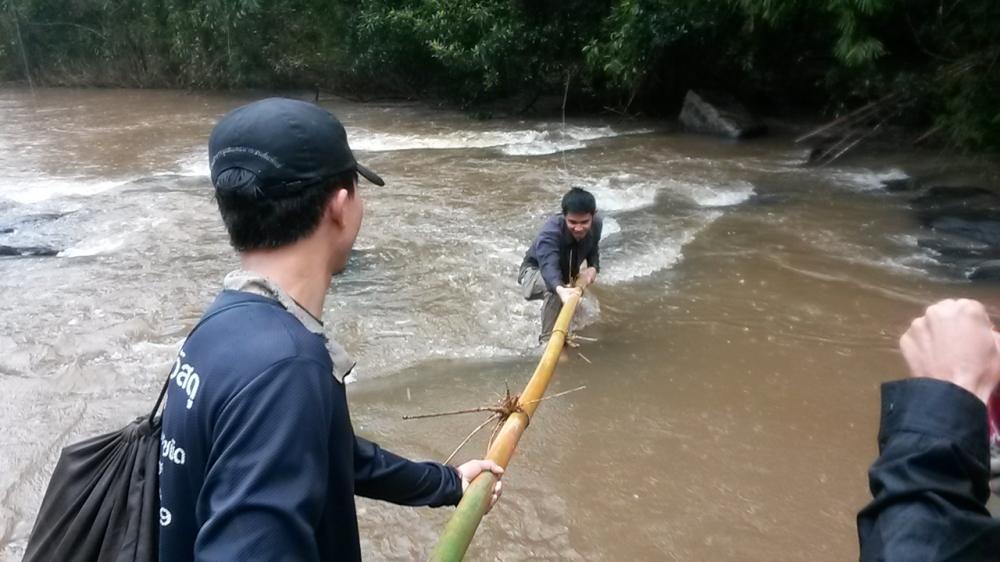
266,476
594,259
929,484
547,252
382,475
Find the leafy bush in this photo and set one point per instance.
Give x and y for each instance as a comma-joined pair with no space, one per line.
638,55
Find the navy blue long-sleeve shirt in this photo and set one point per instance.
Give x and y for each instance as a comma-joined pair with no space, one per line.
259,460
930,482
558,255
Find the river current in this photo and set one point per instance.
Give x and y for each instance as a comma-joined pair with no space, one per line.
747,310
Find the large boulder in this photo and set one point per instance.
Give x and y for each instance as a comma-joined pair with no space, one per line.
716,113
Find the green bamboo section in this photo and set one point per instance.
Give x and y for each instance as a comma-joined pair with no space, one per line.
458,533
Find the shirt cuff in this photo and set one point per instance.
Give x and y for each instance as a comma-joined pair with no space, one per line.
937,409
457,493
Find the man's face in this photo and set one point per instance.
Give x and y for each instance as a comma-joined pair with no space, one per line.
579,224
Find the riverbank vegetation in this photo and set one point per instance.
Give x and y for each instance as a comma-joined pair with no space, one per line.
937,61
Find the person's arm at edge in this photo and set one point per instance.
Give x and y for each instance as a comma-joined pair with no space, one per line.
267,473
930,483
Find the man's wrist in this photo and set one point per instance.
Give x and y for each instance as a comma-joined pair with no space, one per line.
462,484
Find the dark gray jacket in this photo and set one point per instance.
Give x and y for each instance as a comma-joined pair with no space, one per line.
558,255
931,480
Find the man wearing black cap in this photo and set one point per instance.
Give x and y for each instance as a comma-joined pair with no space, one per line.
259,460
563,245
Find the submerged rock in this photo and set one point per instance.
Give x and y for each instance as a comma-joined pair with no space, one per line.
964,224
977,228
940,194
23,251
897,185
965,201
986,271
957,246
715,113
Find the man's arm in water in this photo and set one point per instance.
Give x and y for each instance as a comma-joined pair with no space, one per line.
930,483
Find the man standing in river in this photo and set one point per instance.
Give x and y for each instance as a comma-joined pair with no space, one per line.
564,243
259,460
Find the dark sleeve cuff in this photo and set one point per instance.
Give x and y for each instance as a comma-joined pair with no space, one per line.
456,492
934,408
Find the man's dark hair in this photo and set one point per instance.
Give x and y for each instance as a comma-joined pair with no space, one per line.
255,221
578,200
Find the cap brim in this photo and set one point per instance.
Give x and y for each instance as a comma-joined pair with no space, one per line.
370,176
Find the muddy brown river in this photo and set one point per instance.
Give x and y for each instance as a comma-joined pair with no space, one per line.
747,311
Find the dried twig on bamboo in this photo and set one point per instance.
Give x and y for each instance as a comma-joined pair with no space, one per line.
462,525
505,406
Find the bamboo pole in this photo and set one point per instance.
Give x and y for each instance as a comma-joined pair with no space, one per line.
460,529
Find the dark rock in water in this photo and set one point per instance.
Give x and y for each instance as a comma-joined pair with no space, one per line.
985,229
768,199
898,185
23,251
42,217
962,196
821,148
946,243
986,271
962,202
716,113
965,221
28,220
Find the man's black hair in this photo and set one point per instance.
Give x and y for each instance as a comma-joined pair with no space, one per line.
260,222
578,200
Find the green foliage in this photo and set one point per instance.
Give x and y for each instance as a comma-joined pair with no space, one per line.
640,55
943,54
470,51
190,43
470,48
640,37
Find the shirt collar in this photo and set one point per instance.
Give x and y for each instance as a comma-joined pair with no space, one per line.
257,284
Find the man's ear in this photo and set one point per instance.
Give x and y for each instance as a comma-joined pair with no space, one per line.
335,206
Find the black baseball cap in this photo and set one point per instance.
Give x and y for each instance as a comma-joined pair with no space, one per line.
286,145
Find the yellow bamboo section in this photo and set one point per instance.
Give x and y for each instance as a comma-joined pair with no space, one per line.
458,533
